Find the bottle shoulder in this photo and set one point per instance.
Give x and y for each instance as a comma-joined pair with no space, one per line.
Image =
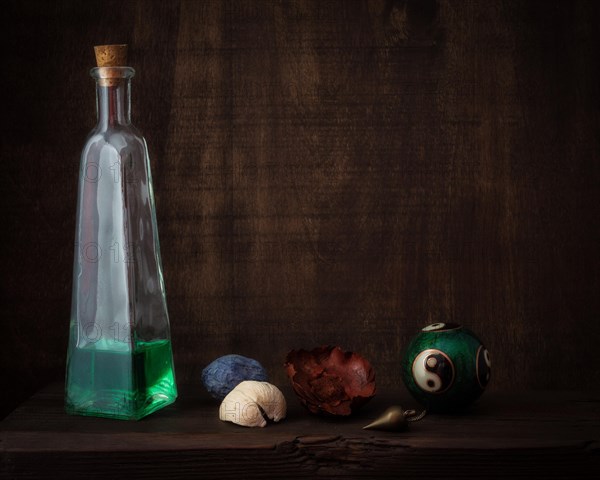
118,136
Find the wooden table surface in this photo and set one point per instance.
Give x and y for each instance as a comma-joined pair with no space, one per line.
525,435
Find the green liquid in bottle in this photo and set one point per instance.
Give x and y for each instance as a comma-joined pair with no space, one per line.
117,383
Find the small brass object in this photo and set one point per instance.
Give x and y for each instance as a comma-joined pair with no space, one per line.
392,420
395,419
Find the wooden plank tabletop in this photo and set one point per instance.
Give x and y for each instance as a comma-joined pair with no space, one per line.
524,435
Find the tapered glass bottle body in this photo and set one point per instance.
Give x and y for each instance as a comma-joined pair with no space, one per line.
119,361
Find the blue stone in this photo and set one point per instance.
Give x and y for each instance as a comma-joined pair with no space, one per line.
223,374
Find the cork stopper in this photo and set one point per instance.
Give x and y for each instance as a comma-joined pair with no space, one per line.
111,55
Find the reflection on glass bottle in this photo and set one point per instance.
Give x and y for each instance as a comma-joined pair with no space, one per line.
119,361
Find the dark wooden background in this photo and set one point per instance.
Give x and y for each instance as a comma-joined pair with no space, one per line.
325,172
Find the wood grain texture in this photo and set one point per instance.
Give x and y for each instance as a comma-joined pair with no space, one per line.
325,172
520,435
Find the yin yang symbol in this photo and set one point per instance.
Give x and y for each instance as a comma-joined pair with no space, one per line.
433,371
483,364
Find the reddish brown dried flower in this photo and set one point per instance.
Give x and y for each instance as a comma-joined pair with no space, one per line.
327,379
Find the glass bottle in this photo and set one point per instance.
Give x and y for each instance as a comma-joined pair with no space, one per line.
119,360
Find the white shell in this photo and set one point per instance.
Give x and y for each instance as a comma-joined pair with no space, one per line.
246,404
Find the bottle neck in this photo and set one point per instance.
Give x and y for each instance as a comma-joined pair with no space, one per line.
113,95
113,103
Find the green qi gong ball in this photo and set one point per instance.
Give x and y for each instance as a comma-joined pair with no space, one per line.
446,367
